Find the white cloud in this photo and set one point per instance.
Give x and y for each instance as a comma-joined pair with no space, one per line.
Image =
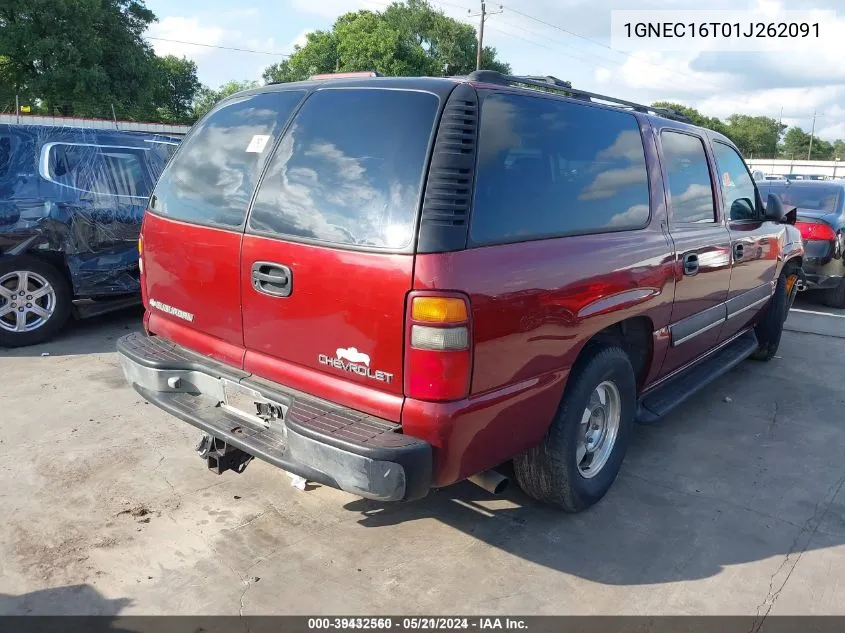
300,40
603,75
334,8
184,30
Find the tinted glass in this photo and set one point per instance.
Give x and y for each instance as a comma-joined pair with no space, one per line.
690,185
211,178
5,155
738,190
548,168
815,197
101,170
349,169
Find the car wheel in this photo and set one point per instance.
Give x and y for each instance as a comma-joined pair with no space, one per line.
770,327
835,297
35,301
578,459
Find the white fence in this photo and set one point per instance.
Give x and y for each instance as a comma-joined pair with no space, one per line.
832,168
98,124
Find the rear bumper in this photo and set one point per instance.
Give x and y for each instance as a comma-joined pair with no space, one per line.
822,276
317,440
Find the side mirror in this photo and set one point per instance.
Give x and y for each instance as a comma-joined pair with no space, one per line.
774,209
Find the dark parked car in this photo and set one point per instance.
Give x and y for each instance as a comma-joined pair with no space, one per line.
821,220
392,284
71,204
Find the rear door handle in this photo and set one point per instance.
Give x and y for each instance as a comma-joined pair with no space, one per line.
691,264
272,279
739,251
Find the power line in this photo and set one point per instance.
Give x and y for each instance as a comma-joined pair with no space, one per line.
484,14
558,43
548,48
597,43
227,48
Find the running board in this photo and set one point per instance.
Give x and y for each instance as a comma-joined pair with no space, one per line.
656,403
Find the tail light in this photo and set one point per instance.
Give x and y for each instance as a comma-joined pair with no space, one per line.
816,231
438,354
141,253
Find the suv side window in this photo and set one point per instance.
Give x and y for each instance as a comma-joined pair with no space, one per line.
738,191
211,178
549,168
103,170
688,174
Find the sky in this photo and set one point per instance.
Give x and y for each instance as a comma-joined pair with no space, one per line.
569,39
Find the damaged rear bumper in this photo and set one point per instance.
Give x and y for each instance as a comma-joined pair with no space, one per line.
314,439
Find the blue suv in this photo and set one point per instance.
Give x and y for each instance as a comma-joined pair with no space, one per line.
71,205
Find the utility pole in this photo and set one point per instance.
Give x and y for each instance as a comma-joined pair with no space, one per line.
812,131
484,14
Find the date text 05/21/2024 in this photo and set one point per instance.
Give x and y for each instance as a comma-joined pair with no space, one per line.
417,623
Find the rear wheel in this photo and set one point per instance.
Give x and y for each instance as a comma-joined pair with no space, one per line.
34,302
835,297
770,327
578,459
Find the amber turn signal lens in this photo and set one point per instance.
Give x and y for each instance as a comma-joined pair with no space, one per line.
140,245
438,310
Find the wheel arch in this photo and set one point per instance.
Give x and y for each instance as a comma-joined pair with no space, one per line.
634,335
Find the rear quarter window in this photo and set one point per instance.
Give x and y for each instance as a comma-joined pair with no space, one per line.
99,170
213,173
549,168
349,169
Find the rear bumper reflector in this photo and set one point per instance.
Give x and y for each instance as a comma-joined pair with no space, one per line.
314,439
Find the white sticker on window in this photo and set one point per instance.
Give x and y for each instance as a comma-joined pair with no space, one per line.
256,145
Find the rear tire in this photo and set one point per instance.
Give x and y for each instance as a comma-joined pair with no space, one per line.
835,297
558,470
41,311
770,327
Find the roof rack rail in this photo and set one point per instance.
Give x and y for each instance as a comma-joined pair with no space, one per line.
352,75
565,87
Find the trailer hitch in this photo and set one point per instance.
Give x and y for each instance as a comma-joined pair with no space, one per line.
221,456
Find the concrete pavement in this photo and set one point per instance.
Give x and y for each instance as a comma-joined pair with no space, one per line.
732,505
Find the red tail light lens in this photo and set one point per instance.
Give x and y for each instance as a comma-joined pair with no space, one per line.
816,231
438,349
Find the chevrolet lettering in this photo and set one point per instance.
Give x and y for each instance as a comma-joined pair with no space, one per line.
361,370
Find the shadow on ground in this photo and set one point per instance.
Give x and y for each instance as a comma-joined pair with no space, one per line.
96,335
747,470
62,601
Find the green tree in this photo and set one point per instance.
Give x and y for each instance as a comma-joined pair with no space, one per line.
796,143
176,87
694,115
755,135
206,98
408,38
79,56
839,149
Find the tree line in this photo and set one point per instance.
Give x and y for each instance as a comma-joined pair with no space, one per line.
763,137
89,58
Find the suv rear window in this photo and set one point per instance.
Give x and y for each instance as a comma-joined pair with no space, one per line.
549,168
211,178
349,169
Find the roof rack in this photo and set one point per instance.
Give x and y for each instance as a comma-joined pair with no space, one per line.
565,87
353,75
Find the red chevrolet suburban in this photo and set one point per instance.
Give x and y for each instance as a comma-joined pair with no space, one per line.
388,285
